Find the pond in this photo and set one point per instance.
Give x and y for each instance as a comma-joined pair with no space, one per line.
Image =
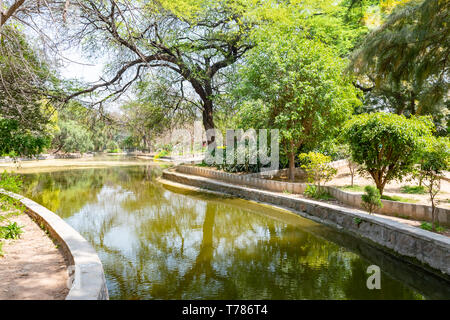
160,242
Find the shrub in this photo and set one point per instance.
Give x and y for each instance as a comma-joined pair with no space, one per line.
10,182
312,191
386,146
371,199
317,167
11,231
429,227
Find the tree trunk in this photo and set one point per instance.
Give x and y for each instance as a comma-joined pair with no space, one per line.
433,216
291,156
208,120
379,183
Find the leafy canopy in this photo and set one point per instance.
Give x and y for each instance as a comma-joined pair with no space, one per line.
294,84
386,146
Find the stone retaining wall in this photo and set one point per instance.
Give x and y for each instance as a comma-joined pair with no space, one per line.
88,277
426,249
390,208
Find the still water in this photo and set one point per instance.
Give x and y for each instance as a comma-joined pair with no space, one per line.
158,242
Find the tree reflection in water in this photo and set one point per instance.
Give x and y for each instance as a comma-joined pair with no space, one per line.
159,243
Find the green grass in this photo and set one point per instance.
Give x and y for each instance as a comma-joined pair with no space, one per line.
413,189
397,198
427,226
353,188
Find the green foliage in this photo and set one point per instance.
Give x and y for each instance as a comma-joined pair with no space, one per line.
145,120
11,231
397,198
10,182
317,167
371,199
413,189
73,137
435,160
29,90
435,157
1,249
429,227
357,221
310,191
353,188
386,146
162,153
314,192
18,141
296,85
406,60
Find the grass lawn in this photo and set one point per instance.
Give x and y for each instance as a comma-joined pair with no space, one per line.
413,189
353,188
397,198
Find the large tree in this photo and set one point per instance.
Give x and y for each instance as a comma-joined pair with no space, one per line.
296,85
194,48
404,65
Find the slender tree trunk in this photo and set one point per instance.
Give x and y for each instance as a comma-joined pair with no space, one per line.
379,183
291,171
433,216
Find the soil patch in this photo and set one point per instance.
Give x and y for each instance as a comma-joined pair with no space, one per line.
32,268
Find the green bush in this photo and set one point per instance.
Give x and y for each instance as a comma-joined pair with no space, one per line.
10,182
429,227
386,146
317,167
371,199
314,192
11,231
162,153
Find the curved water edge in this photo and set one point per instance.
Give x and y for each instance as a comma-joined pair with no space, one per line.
159,242
86,270
426,249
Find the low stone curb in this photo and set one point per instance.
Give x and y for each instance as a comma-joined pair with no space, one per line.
87,270
390,208
426,249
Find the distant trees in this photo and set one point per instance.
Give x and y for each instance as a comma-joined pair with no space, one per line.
386,146
72,137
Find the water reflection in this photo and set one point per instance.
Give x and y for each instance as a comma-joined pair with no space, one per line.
159,243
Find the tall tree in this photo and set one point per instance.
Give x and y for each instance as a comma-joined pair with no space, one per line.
197,47
406,59
295,85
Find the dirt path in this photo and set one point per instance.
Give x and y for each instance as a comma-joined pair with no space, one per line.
32,267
